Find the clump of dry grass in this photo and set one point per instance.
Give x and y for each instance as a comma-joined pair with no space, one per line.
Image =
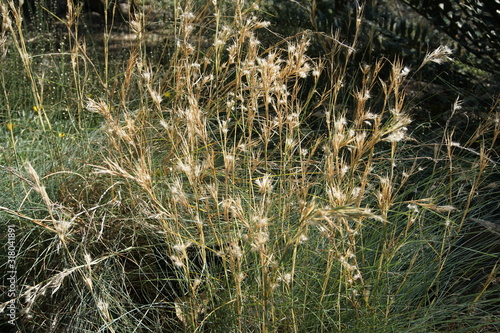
218,206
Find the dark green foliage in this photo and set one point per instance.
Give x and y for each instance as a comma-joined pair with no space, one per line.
36,11
474,24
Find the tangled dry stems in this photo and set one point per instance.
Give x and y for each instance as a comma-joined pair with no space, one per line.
311,229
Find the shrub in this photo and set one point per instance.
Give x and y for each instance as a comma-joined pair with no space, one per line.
197,196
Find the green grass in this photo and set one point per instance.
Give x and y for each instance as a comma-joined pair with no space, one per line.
229,183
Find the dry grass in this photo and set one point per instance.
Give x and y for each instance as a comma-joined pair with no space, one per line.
205,201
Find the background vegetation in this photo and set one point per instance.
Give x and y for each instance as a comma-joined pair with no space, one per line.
202,167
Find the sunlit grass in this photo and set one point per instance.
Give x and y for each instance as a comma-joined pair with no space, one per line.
195,195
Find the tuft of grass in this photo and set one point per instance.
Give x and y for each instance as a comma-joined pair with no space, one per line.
235,183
